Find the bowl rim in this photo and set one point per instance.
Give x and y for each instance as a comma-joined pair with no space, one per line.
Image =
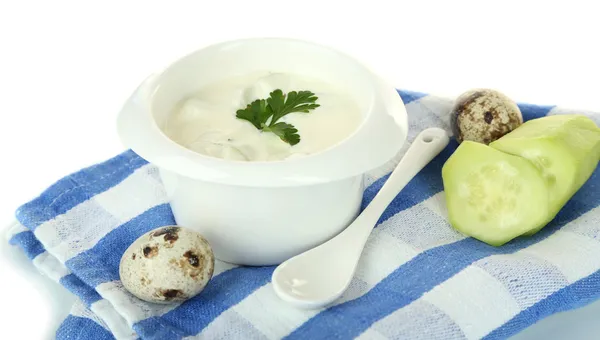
151,143
249,163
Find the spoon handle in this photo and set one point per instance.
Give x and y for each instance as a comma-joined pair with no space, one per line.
426,146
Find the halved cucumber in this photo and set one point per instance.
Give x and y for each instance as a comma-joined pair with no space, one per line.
565,148
493,196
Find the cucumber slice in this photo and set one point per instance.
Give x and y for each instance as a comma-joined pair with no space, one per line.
493,196
565,148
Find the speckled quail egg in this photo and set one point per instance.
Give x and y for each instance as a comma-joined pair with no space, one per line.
483,116
168,264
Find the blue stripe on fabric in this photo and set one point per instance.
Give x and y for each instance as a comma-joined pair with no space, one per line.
79,328
222,292
427,270
30,245
101,263
533,111
77,188
410,96
576,295
85,293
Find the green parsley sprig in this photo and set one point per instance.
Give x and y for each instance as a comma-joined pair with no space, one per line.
265,113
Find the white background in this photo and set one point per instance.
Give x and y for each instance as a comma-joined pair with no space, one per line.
66,67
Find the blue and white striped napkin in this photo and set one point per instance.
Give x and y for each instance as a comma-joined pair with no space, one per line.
417,278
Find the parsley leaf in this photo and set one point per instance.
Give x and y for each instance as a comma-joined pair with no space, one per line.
302,101
256,113
287,132
275,107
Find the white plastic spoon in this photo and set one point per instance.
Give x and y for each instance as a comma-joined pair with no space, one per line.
320,275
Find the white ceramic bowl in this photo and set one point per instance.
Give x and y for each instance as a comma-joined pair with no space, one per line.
262,213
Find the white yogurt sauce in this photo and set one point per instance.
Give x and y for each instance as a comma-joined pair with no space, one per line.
206,123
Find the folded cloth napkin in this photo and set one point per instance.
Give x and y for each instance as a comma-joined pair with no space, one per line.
417,278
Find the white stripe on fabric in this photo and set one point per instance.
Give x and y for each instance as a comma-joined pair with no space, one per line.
142,190
586,225
595,116
84,225
232,327
437,204
466,298
371,334
384,252
520,273
80,310
221,266
114,321
50,266
563,248
419,320
132,308
277,323
422,227
433,111
76,231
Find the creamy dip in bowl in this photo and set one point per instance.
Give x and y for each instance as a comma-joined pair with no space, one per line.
206,122
212,124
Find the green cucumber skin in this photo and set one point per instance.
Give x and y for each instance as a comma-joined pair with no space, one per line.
573,140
